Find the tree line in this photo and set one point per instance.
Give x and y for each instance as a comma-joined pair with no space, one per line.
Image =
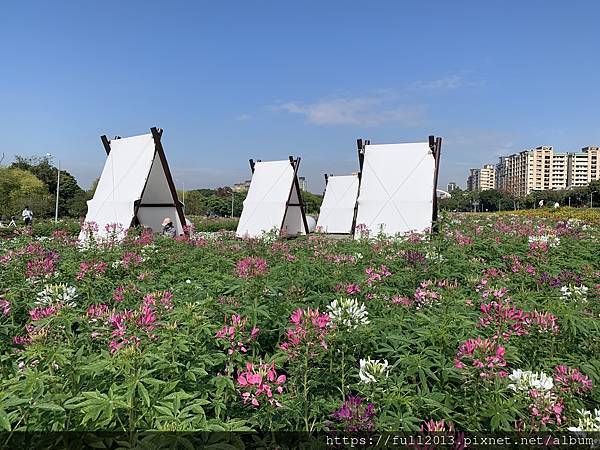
495,200
32,182
223,201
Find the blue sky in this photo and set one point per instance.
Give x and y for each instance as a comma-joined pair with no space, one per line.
233,80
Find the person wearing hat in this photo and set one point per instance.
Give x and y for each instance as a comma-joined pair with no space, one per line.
168,228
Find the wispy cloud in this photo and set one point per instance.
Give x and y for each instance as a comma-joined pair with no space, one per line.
405,105
443,84
243,117
369,110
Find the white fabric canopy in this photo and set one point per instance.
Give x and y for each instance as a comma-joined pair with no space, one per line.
132,172
396,192
337,210
266,204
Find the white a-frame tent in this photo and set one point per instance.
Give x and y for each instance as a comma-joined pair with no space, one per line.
338,210
274,201
136,186
398,186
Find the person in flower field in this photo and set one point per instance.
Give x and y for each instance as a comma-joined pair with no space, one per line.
27,216
168,228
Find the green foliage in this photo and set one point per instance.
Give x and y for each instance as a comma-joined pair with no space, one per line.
71,197
178,376
19,188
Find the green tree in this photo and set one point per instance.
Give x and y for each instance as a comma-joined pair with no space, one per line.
20,188
47,174
312,202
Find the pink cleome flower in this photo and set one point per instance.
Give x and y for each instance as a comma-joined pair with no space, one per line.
309,328
5,307
261,383
568,379
236,336
250,267
484,355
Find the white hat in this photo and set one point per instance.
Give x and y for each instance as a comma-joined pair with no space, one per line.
166,221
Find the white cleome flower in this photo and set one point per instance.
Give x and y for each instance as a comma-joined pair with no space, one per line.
524,380
548,239
54,294
588,421
348,313
577,293
373,370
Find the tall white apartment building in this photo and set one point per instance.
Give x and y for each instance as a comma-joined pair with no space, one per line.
482,179
542,168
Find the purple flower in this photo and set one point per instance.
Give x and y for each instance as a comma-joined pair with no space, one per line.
354,415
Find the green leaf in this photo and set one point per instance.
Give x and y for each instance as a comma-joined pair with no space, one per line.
143,393
4,421
49,407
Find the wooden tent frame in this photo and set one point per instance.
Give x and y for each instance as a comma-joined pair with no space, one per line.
435,145
295,165
158,149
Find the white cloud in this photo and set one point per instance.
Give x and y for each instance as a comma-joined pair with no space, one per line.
365,110
243,117
445,84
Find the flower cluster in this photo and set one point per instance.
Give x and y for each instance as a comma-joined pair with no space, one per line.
485,355
309,329
508,320
543,242
423,296
348,313
570,379
128,326
97,312
41,312
538,322
96,269
354,415
42,265
260,384
545,408
235,335
576,293
414,258
376,275
525,380
504,317
57,295
588,421
4,307
250,267
373,370
131,259
546,394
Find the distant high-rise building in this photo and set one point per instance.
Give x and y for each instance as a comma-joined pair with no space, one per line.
487,177
542,168
451,186
302,182
241,187
583,167
482,179
473,179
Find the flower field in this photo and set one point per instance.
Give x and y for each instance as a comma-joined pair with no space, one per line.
491,325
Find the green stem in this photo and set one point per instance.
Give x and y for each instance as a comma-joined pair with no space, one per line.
343,374
305,384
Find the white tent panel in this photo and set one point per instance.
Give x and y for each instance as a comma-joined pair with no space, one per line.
337,210
265,204
293,224
396,192
157,188
122,182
